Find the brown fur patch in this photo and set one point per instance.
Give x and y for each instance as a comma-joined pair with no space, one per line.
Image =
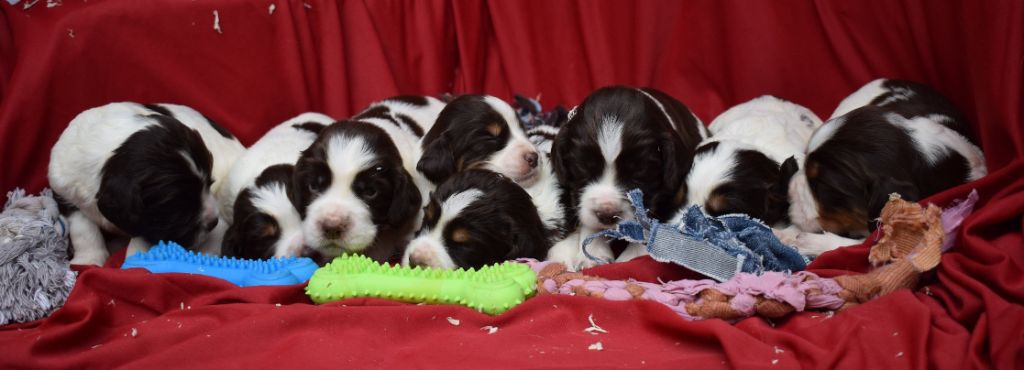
715,203
460,235
494,128
268,230
844,221
811,170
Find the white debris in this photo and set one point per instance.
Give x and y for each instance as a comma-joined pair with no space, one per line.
779,350
596,347
307,5
594,329
182,306
216,22
898,355
112,303
271,9
179,325
189,307
135,332
775,361
29,4
53,3
490,329
454,321
96,346
829,314
278,305
895,333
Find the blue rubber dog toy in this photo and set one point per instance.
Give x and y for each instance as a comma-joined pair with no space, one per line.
171,257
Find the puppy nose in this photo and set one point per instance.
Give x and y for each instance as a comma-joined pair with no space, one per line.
212,224
531,159
608,216
333,229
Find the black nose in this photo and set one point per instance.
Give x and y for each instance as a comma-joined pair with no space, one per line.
332,231
212,224
608,217
531,159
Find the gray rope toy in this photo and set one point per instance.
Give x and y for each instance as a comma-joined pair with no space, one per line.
35,276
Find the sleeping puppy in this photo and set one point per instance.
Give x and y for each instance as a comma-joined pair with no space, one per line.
618,139
478,131
357,187
478,217
256,199
908,139
746,164
145,171
414,114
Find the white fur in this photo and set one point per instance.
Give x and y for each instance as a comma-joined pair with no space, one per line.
709,170
860,98
283,144
810,243
346,157
546,194
428,249
935,141
770,125
803,208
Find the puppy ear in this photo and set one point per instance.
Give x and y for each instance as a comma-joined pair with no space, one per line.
676,159
777,207
438,161
879,196
232,244
405,201
120,201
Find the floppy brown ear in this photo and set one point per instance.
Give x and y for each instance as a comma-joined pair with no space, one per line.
438,161
120,201
777,207
405,201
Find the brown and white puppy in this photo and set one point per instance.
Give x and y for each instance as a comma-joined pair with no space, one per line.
357,187
890,136
256,200
478,131
618,139
478,217
746,164
145,171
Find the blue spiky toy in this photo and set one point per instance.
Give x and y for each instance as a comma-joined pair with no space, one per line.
171,257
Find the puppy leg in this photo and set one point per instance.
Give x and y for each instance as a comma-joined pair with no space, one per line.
632,251
600,248
87,241
813,244
137,245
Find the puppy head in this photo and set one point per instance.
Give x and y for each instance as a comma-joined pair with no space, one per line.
266,222
476,131
157,184
476,218
350,185
728,177
619,139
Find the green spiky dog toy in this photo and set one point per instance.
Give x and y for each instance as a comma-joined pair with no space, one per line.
492,290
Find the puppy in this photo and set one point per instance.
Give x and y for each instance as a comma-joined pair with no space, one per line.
414,114
256,199
908,139
478,131
746,164
144,171
357,187
618,139
479,217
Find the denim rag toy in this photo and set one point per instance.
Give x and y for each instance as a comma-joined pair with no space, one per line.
717,247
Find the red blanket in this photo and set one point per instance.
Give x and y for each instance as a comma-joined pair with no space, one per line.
271,60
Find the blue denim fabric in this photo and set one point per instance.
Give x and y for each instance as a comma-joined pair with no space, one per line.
717,247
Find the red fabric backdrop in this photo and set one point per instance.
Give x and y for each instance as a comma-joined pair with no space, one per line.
336,57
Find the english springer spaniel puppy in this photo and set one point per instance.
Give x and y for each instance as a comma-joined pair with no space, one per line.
478,217
478,131
890,136
357,187
746,164
618,139
145,171
256,200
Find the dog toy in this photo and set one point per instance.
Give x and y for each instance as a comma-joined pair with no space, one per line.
492,290
912,245
171,257
35,277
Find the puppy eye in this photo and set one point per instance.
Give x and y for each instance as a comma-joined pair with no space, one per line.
319,182
378,169
370,192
